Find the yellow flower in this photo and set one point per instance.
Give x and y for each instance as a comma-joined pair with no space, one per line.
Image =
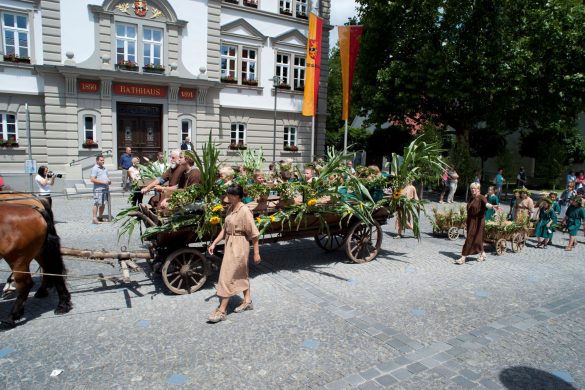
217,208
258,219
272,218
396,194
214,220
311,202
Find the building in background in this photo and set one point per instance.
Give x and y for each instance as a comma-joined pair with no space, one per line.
98,76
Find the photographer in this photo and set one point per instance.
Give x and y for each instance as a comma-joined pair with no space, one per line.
45,179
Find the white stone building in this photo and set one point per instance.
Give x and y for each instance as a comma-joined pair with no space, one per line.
146,74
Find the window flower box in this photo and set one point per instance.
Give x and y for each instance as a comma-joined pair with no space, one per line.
287,12
229,80
127,65
235,146
152,68
302,15
89,144
291,148
283,86
9,143
300,87
253,83
251,3
232,1
15,58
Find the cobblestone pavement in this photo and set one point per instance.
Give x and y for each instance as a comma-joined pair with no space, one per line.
408,320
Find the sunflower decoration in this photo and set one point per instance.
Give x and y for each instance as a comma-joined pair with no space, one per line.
396,194
258,220
311,202
214,220
272,218
217,208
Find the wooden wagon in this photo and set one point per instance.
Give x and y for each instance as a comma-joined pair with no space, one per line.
500,233
450,222
181,256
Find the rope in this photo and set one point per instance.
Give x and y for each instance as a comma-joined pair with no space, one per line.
99,278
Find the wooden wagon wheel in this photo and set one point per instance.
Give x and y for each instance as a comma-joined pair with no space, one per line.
518,242
453,233
329,242
185,271
501,246
363,242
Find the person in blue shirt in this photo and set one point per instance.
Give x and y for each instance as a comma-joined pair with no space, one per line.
125,164
499,180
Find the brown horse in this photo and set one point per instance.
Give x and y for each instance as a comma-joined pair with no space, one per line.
29,233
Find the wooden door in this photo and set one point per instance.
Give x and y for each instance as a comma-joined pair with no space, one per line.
140,127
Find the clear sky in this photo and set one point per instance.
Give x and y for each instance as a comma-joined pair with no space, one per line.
340,11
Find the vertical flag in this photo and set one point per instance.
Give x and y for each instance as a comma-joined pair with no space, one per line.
349,47
313,65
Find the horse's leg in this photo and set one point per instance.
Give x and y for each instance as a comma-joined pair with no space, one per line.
65,304
23,285
43,290
9,287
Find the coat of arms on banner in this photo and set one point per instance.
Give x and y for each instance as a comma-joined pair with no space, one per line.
140,7
313,48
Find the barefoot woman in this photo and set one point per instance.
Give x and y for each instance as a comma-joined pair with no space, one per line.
238,230
476,208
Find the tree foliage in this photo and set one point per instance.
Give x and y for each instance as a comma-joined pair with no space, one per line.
506,63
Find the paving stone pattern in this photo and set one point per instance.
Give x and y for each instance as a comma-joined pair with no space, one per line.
408,320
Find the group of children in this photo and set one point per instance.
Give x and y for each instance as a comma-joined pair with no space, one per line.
547,215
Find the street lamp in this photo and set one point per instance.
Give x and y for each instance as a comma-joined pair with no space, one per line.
276,82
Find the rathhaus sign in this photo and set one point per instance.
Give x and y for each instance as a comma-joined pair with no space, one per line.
139,90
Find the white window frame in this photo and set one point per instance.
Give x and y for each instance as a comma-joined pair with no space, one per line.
229,59
301,7
97,126
290,135
16,31
151,44
126,41
247,62
4,126
92,130
281,66
286,5
238,127
189,132
297,71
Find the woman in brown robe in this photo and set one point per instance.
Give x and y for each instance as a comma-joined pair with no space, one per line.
476,208
238,230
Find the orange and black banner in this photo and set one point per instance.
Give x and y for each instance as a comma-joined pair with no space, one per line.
313,65
349,47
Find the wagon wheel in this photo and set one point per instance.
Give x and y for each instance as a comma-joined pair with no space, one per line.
518,241
329,242
185,271
501,246
453,233
363,242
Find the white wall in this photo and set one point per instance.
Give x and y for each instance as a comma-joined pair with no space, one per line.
20,81
194,36
77,29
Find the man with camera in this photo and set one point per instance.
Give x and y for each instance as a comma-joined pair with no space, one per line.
45,179
101,188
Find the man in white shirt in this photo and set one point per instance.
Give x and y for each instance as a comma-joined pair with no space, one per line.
101,184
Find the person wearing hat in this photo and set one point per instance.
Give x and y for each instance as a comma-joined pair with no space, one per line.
573,217
545,219
524,207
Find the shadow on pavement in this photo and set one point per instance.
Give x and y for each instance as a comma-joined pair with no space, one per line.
519,378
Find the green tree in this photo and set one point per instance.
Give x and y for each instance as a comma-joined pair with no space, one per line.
486,143
507,63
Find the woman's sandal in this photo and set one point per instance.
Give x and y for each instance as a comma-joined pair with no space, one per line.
481,258
461,261
243,307
217,316
568,248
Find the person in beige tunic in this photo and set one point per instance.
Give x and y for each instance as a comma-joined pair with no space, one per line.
409,191
238,230
524,207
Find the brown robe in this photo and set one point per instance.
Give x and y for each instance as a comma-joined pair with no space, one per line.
239,229
173,177
190,177
476,209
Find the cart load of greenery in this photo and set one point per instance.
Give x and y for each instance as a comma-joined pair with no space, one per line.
445,219
501,227
333,191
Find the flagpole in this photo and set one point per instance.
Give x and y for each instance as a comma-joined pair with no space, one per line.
313,138
345,139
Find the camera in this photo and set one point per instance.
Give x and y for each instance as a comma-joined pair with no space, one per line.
51,174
